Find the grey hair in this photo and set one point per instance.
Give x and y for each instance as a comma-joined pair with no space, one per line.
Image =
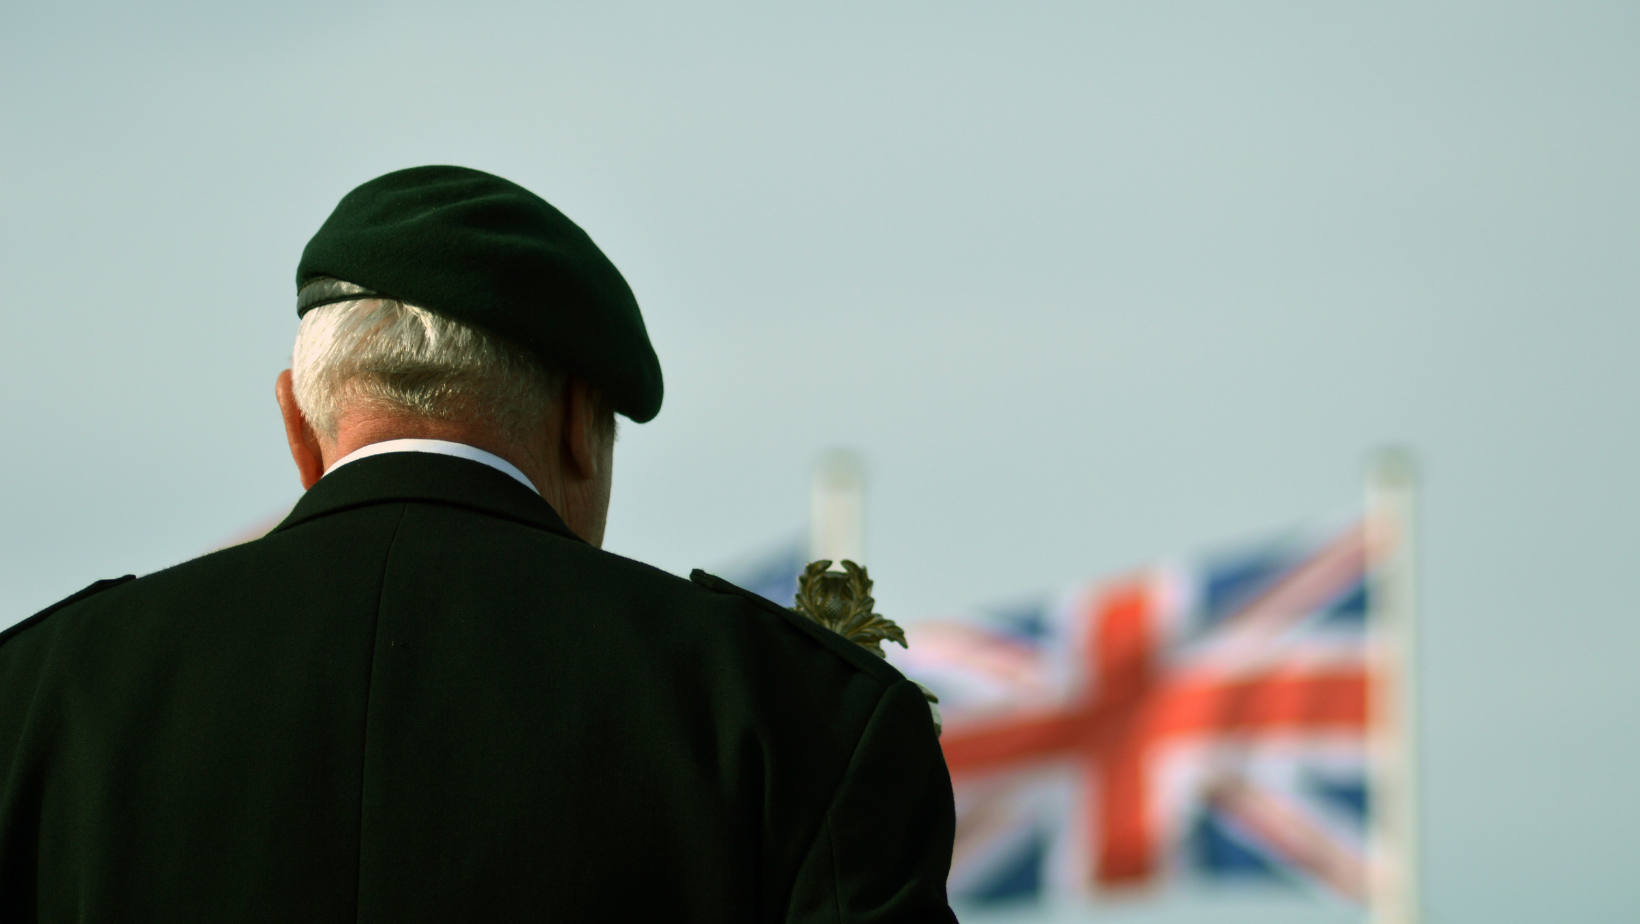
382,353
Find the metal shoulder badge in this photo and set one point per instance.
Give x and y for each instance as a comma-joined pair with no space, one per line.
842,602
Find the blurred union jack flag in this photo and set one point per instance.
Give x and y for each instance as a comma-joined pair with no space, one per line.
1202,720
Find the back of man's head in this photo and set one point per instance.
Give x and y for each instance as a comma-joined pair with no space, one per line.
446,303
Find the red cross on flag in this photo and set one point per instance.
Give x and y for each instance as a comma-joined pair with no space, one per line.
1207,719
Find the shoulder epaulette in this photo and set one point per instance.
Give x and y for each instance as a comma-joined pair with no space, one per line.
713,582
856,655
90,591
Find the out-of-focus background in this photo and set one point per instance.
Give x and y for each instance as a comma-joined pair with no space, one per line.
1084,284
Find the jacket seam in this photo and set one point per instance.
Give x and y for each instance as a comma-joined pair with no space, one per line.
15,756
825,825
10,792
836,879
369,686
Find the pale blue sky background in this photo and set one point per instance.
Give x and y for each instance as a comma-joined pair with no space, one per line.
1087,284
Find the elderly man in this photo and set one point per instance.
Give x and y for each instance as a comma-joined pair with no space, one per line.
428,694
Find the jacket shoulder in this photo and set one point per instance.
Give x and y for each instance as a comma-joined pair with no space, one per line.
872,665
90,590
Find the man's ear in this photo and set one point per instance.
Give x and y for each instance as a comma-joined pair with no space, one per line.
304,441
580,429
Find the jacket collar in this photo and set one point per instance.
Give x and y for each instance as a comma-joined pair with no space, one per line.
426,477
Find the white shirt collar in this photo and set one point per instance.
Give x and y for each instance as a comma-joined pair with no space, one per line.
440,447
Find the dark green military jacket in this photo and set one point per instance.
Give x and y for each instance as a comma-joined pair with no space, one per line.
421,698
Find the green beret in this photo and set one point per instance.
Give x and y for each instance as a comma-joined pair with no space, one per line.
490,253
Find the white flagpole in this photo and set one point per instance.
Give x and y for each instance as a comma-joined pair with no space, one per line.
1391,526
837,508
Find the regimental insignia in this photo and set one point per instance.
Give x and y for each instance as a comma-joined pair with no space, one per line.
842,602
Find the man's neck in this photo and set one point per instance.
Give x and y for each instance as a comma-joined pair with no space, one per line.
360,430
581,506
